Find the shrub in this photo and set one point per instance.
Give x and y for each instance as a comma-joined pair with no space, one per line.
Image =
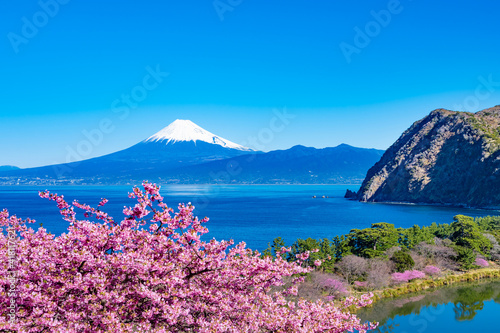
329,284
403,261
465,256
351,267
151,273
481,262
335,287
495,250
361,284
432,270
379,273
420,261
440,253
407,276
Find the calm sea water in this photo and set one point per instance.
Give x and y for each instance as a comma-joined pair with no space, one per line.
458,308
254,214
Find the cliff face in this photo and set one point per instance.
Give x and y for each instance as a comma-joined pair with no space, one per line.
446,158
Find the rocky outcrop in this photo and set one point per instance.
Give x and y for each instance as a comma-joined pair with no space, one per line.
351,195
446,158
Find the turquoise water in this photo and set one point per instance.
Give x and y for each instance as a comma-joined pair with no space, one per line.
458,309
254,214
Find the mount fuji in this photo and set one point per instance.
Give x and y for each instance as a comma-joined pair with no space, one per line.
187,131
180,144
185,153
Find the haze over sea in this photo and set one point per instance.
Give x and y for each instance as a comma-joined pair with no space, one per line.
255,214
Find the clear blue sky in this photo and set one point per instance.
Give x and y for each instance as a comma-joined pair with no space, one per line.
231,64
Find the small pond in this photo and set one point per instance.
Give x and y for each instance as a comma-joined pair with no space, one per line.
471,307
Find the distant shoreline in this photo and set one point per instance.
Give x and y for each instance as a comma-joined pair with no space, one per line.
192,184
404,203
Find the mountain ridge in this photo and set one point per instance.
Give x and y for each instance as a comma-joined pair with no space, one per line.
342,164
183,152
448,158
148,155
8,168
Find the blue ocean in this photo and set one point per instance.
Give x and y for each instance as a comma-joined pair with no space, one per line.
255,214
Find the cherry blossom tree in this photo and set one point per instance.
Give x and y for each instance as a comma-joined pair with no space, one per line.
151,272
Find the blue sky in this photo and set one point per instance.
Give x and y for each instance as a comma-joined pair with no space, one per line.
99,76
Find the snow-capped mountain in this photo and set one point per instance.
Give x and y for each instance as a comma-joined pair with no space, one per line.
185,153
180,144
185,130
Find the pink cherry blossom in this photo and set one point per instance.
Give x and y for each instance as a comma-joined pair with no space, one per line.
151,272
481,262
361,284
407,276
432,270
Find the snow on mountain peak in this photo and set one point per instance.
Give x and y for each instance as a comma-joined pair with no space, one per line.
186,130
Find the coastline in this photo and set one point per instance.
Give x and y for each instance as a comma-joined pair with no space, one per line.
404,203
428,284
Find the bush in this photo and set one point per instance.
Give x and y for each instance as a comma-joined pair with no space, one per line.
420,261
403,261
432,270
481,262
379,273
361,284
323,285
495,250
439,253
335,287
465,256
407,276
151,273
351,267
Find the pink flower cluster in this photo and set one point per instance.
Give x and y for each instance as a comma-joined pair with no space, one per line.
481,262
361,284
432,270
152,273
335,286
407,276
